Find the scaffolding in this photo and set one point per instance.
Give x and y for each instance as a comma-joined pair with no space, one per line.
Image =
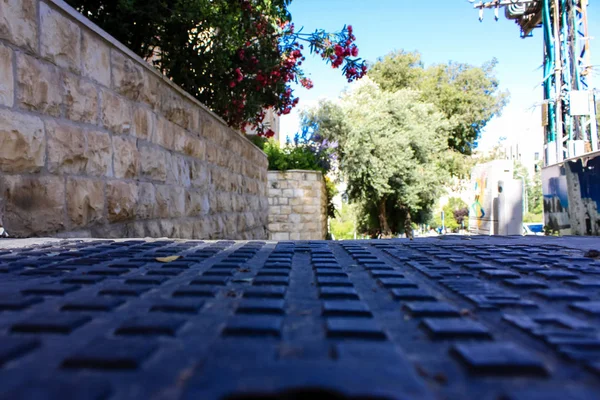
569,107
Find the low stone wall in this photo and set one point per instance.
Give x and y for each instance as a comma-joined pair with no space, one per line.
297,205
95,142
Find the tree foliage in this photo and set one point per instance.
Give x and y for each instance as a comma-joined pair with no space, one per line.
467,95
391,148
238,57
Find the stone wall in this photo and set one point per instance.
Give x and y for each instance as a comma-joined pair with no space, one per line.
297,205
95,142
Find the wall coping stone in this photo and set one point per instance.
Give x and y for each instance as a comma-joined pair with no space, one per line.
67,9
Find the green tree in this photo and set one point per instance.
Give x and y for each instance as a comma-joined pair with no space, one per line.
467,95
455,211
390,147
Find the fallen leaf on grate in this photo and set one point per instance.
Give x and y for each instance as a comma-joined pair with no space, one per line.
167,259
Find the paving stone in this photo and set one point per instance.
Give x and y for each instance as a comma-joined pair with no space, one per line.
354,328
51,289
275,292
560,295
412,295
499,358
50,323
346,308
556,275
525,283
92,304
110,354
15,347
499,274
124,290
150,325
17,302
183,306
254,326
261,306
327,292
431,309
455,328
588,307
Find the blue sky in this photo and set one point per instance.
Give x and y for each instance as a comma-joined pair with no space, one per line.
441,30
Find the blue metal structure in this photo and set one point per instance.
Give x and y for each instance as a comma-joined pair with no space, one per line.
569,115
571,177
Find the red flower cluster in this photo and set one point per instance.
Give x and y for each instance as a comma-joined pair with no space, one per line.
263,69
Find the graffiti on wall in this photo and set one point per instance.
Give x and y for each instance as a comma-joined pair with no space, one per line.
572,196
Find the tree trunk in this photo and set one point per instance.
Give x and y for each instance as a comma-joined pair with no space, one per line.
408,225
383,223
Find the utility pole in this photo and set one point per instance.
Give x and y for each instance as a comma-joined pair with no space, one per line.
569,110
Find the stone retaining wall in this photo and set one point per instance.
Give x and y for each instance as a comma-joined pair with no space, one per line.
95,142
297,205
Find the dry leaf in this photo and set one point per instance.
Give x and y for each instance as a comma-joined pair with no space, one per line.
167,259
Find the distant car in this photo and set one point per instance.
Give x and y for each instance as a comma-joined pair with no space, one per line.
536,229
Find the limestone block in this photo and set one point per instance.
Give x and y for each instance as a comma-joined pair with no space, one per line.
175,108
286,210
168,229
95,58
126,157
153,163
274,210
201,229
272,201
230,222
196,203
280,236
311,226
284,201
170,201
288,193
298,209
7,87
143,123
22,142
164,133
223,202
99,154
294,218
309,236
311,209
200,175
18,23
33,205
312,177
146,206
179,139
81,100
85,201
121,198
275,193
172,162
38,86
294,235
212,153
186,230
66,148
60,41
115,113
194,147
135,229
210,127
152,229
127,76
